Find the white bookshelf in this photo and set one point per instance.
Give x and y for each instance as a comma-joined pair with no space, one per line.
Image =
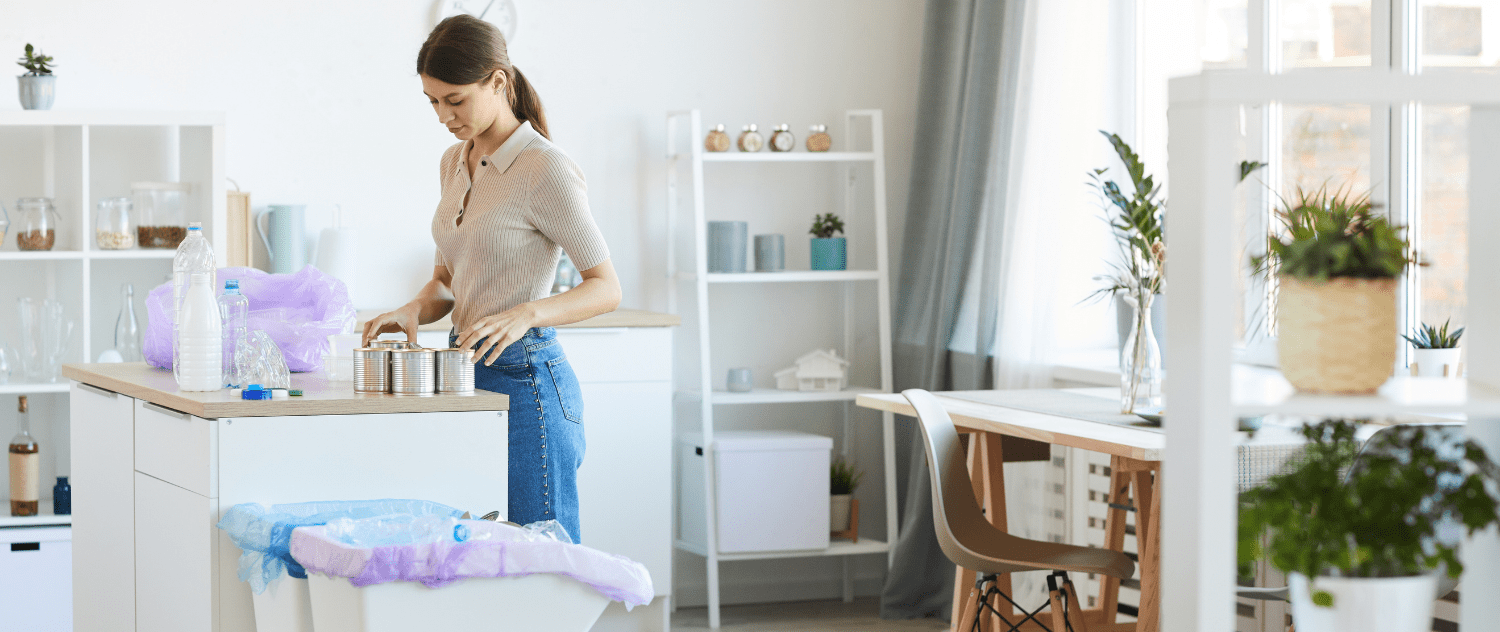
1205,145
692,274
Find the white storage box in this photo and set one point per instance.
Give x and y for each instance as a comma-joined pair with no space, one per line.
772,490
36,578
544,601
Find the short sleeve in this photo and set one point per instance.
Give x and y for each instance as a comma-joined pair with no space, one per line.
560,210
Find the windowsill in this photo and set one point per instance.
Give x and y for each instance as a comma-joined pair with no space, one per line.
1098,366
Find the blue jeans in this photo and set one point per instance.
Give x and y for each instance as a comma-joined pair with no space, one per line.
546,427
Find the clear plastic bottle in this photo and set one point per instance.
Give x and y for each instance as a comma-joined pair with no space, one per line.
194,256
127,327
200,338
234,311
24,465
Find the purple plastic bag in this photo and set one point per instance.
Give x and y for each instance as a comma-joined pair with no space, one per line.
299,311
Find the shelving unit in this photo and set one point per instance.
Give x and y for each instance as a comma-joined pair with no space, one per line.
1205,144
697,277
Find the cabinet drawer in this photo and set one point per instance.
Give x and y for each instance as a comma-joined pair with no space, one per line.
177,447
623,354
35,573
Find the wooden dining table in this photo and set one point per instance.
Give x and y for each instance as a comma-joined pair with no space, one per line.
992,420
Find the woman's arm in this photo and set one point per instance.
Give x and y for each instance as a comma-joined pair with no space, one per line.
599,293
433,302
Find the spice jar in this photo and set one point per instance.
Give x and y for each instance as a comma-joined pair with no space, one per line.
159,221
782,139
818,140
750,139
113,229
36,223
716,140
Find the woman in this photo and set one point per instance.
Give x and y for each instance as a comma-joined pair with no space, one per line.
511,203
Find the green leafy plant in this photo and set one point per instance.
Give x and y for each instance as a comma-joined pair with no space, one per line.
824,226
1379,519
1329,234
1429,337
842,477
37,64
1136,220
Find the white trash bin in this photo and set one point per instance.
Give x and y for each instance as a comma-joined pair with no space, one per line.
535,602
284,606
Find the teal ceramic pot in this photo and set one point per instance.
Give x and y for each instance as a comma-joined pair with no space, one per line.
37,91
829,254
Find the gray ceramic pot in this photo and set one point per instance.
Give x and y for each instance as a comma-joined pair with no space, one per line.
37,91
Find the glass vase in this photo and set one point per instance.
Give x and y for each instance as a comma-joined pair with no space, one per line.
1140,360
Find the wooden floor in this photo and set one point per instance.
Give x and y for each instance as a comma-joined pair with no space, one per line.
806,616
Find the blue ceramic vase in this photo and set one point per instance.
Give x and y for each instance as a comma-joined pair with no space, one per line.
829,253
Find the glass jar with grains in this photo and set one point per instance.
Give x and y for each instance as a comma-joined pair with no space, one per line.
159,217
113,228
36,223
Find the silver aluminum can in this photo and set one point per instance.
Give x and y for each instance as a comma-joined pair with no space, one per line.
412,372
372,370
455,373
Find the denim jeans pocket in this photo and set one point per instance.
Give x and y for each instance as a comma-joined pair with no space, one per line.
569,393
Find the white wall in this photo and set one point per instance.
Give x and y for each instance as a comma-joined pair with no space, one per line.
324,108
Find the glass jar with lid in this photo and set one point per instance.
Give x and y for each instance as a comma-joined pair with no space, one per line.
159,219
36,223
113,228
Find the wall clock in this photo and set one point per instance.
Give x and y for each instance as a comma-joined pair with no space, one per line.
501,13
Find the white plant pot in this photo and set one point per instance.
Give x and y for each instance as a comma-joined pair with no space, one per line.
838,512
1360,604
1437,362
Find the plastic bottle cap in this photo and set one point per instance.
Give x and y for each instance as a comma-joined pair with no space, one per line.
279,393
253,387
232,284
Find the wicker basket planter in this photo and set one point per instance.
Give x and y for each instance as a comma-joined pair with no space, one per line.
1337,336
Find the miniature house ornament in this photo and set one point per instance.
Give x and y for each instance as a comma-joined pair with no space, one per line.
822,370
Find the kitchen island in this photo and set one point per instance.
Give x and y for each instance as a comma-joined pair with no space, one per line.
155,468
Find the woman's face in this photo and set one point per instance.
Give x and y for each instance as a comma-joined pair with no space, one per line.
467,111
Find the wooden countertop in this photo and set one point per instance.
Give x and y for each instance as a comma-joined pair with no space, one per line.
319,396
617,318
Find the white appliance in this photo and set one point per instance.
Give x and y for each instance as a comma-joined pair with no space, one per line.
772,489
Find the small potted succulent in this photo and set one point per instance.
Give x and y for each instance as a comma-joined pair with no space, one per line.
1364,532
828,252
37,85
1337,263
1436,351
843,479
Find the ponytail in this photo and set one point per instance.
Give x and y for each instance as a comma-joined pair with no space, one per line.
525,103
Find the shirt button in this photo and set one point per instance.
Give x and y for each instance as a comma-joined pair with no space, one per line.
484,163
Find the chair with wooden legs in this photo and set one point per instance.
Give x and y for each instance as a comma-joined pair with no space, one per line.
972,542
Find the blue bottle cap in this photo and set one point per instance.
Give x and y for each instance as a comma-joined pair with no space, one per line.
253,387
232,284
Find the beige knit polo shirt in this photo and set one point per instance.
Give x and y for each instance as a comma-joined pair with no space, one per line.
528,205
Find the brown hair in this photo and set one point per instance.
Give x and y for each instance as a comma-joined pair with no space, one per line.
464,49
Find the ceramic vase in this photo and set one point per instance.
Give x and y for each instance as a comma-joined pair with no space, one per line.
829,253
1361,604
1436,362
1336,336
726,246
838,512
37,91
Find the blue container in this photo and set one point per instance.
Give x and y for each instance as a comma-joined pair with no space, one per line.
770,253
829,254
727,242
62,497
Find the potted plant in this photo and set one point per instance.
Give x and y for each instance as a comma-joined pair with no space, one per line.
843,508
1337,264
1369,542
38,82
1436,351
828,252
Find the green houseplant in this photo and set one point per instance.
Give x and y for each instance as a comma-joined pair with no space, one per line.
38,84
1337,264
1435,351
843,478
828,252
1386,526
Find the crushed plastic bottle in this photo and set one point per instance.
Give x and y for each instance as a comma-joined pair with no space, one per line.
397,530
194,256
259,361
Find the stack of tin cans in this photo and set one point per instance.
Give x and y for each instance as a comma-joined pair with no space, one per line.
390,366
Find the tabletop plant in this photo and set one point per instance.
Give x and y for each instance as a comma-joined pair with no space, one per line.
1333,234
843,478
35,63
828,252
1378,520
825,226
1429,337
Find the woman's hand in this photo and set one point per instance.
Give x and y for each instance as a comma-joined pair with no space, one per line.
498,332
404,319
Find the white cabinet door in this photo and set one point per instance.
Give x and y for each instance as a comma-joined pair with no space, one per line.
103,479
175,583
625,484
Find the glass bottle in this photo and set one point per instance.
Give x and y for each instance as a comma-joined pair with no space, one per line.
36,223
234,312
62,497
1140,362
113,228
24,466
127,327
782,139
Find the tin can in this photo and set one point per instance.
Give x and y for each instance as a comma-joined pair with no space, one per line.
455,373
372,370
412,372
389,344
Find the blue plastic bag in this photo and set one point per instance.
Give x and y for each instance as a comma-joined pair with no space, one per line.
299,311
264,534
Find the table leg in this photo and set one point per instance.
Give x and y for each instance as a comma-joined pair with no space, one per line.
992,471
1149,544
1114,534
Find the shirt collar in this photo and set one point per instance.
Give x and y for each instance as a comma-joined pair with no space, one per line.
509,150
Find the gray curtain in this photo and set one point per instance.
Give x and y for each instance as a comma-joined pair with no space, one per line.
971,66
